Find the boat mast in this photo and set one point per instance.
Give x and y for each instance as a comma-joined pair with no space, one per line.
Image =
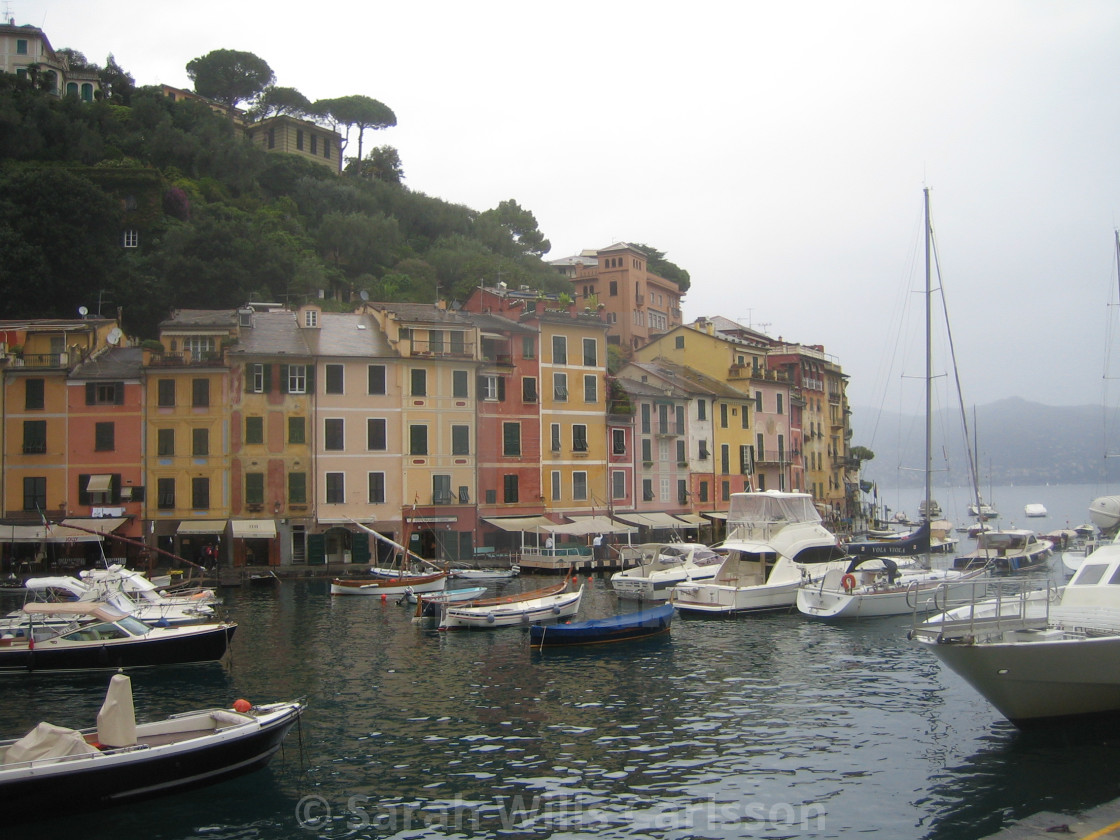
929,368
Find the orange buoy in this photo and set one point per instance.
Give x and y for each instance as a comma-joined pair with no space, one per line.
242,705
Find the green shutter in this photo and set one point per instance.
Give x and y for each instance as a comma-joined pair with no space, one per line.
91,393
316,549
359,548
283,379
267,379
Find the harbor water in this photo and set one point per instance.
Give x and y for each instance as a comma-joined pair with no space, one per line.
759,726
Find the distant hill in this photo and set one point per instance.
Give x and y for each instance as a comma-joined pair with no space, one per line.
1019,442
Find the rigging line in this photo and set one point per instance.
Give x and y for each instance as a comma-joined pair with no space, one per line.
971,456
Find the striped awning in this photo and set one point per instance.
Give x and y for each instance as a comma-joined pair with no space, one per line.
99,484
201,526
650,519
520,523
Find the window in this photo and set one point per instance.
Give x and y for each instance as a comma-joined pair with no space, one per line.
418,440
618,484
491,497
579,437
663,487
314,144
375,380
528,347
509,489
490,386
297,488
34,394
613,288
678,342
441,490
745,421
758,401
104,393
460,390
591,389
464,494
335,379
376,488
647,489
701,410
559,350
703,491
724,458
297,379
725,490
256,378
104,437
746,459
165,493
579,486
21,46
130,238
663,419
681,456
336,488
435,341
778,400
35,493
560,387
458,342
200,493
297,430
723,415
254,430
618,442
460,440
419,382
647,451
682,491
703,456
529,389
511,440
645,418
590,352
555,436
311,316
200,393
198,346
166,398
555,482
34,437
200,442
680,420
165,443
254,488
299,139
375,434
334,434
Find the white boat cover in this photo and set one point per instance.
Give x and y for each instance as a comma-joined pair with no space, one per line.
116,722
48,741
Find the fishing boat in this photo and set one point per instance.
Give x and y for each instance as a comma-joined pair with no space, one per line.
1007,551
1034,659
627,627
429,604
486,574
775,543
57,770
479,615
661,566
389,587
97,636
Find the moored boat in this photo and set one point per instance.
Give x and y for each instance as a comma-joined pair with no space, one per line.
389,587
627,627
661,566
480,615
1007,552
57,770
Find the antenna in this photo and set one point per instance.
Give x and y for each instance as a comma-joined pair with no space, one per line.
83,311
364,295
114,336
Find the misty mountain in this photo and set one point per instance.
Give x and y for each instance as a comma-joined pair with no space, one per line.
1018,442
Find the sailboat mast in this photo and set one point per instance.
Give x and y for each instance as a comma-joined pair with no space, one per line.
929,366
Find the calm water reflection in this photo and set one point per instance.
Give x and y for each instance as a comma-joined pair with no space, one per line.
763,726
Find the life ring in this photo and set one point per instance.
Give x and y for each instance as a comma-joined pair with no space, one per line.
848,582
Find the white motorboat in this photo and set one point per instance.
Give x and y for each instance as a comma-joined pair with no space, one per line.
982,511
1038,661
775,543
873,586
486,574
522,613
57,770
661,566
1007,552
1034,510
140,588
65,589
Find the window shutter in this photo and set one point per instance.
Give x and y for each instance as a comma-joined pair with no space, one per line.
83,495
91,393
283,379
501,389
118,393
267,378
310,379
249,369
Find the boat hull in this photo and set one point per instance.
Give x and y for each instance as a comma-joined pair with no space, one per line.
514,614
713,599
204,644
1032,683
385,587
620,628
658,586
89,782
830,604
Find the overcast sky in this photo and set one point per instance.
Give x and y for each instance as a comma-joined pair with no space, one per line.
777,151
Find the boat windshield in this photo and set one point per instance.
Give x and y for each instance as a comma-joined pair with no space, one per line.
134,625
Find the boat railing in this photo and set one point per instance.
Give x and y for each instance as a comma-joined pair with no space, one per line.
988,609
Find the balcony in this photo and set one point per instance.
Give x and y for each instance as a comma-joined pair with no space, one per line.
186,360
443,349
41,360
780,457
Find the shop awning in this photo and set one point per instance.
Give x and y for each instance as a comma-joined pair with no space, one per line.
41,534
653,519
251,529
102,525
201,526
520,523
691,518
99,484
585,525
714,514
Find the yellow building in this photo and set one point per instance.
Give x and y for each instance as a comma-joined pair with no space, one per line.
298,137
187,421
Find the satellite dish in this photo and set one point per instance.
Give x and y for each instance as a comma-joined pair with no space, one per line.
83,311
114,336
363,294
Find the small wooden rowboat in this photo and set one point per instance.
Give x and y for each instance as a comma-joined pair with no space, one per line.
389,587
619,628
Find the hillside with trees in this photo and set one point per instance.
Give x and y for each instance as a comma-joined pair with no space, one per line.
222,221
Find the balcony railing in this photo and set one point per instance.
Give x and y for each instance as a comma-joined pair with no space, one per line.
41,360
772,456
442,349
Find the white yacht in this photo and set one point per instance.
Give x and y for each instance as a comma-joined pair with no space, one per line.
775,543
661,566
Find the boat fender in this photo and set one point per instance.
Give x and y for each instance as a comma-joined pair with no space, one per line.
490,618
556,611
242,705
848,582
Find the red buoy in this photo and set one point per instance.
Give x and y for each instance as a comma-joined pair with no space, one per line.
242,705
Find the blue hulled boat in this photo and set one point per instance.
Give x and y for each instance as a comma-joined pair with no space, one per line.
618,628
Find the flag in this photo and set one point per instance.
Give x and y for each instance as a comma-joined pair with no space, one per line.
46,524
